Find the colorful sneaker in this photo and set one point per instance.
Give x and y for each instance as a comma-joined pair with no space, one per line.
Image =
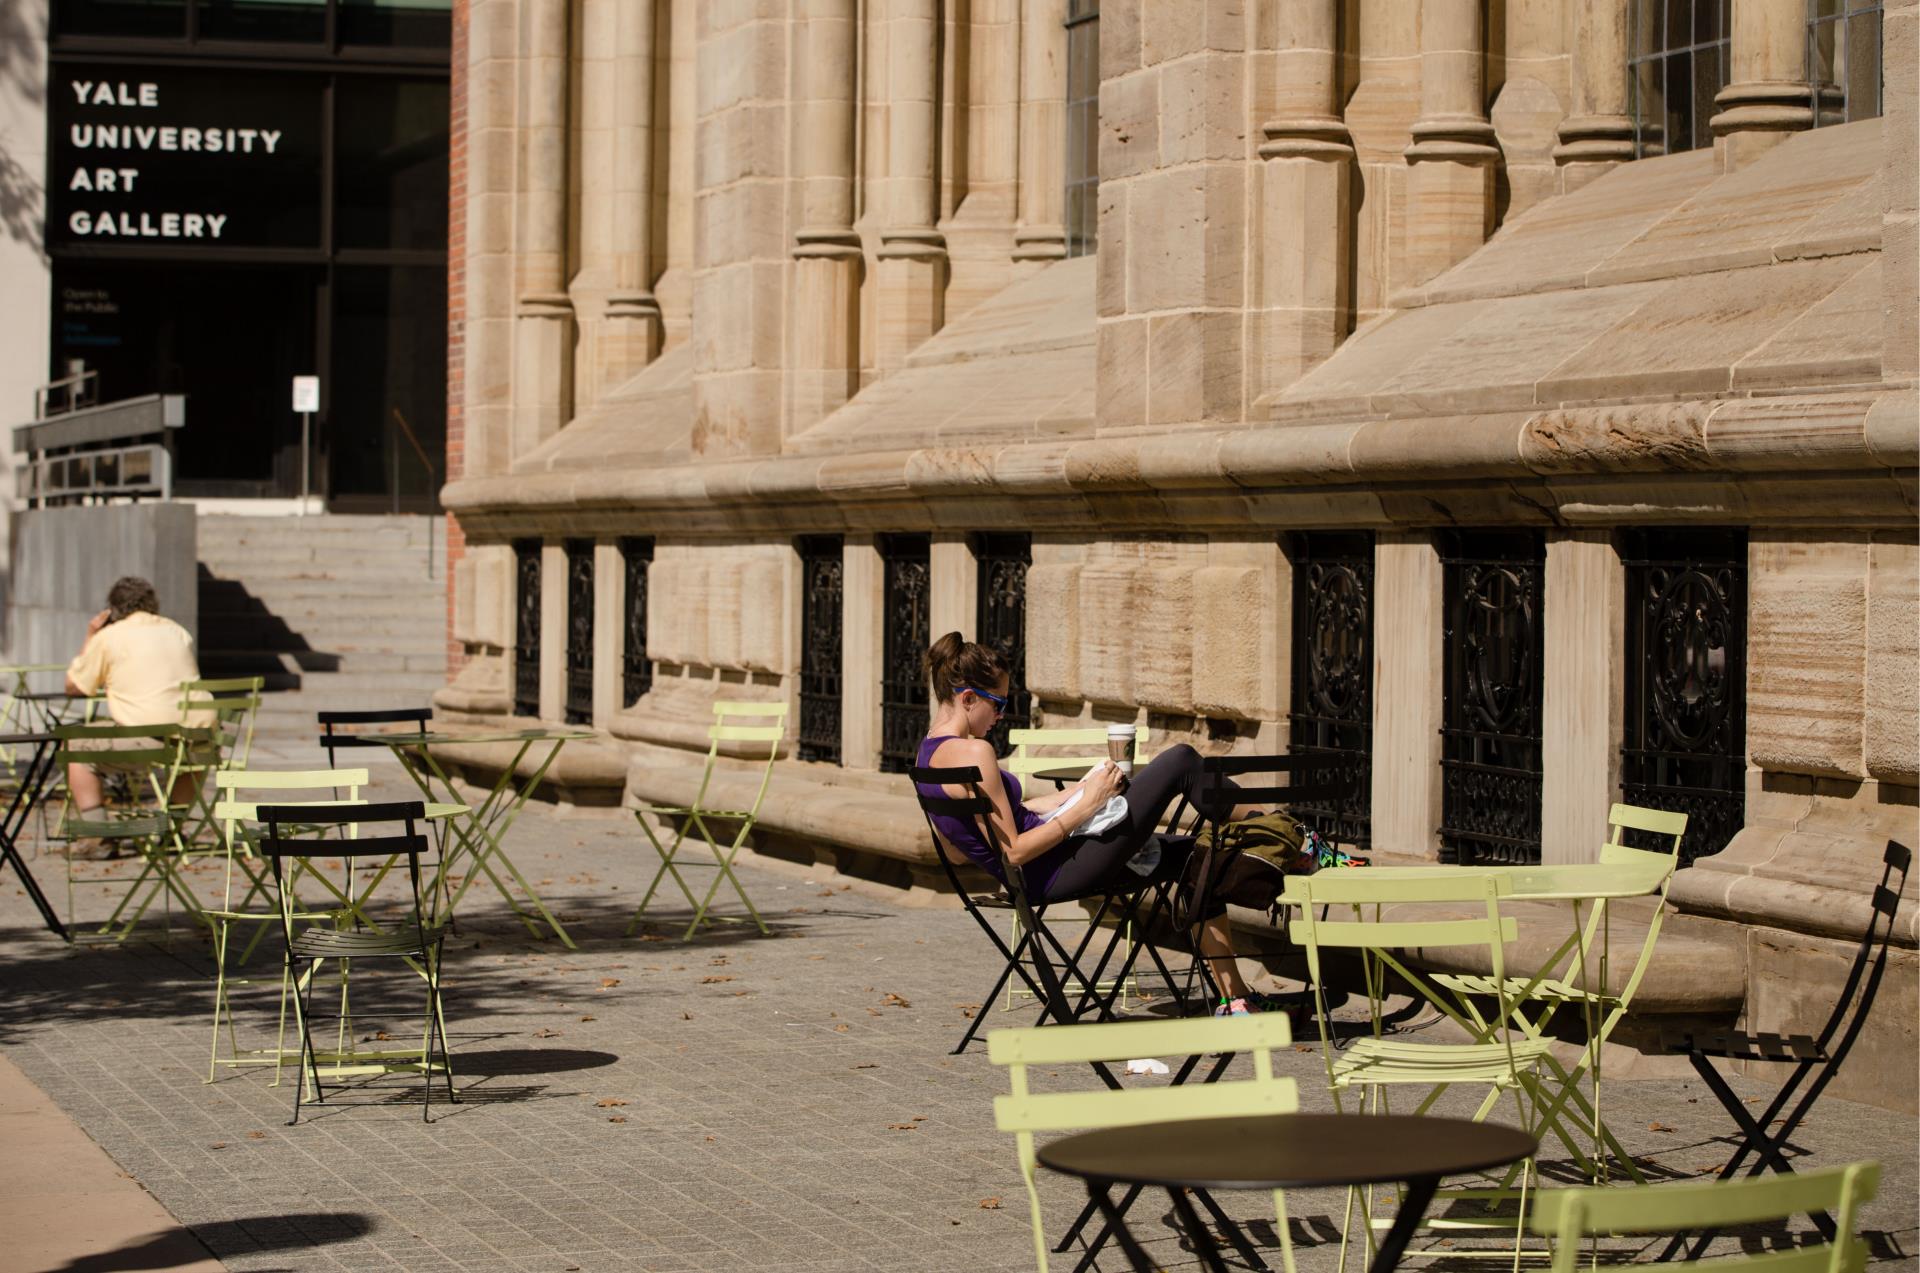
1258,1001
1232,1008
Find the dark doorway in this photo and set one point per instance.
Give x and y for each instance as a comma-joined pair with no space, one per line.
230,337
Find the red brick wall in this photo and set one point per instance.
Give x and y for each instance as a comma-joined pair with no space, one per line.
456,310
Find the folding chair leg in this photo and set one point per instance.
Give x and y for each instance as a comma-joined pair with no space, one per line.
309,1065
666,867
1136,1256
1203,1242
1232,1230
219,994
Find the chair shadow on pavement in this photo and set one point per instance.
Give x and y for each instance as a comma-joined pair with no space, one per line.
176,1248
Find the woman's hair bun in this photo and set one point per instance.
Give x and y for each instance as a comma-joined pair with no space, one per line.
955,661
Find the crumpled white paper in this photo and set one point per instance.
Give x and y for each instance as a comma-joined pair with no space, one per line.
1147,1065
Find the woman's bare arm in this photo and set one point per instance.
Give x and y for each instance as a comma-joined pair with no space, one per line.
1030,844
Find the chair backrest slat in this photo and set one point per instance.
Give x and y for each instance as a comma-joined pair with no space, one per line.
1569,1215
289,779
1024,760
387,811
362,847
1121,1040
1089,1110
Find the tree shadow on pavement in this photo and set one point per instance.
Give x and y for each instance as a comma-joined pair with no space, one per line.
177,1248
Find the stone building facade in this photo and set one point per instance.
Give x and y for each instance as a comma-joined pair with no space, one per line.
1515,398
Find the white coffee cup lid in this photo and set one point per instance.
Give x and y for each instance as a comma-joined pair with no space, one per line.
1120,731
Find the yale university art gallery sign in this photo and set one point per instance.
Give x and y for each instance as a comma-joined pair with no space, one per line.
156,155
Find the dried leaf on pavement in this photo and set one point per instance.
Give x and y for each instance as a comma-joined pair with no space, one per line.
609,1102
608,983
896,1001
712,981
544,1033
989,1204
1658,1127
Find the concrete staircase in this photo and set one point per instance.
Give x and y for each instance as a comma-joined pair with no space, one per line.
336,611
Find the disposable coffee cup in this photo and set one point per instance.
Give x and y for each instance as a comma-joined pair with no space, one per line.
1120,747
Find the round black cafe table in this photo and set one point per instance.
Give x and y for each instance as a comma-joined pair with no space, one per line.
1063,775
1284,1151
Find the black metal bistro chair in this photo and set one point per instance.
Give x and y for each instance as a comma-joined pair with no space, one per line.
1313,779
332,737
353,934
1075,990
1815,1058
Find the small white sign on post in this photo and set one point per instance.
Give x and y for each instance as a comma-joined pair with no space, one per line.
306,401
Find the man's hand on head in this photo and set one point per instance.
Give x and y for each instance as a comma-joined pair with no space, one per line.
98,621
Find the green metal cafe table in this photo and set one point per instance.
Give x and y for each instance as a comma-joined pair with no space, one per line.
479,832
1587,889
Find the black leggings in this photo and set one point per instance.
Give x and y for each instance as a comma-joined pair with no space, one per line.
1096,862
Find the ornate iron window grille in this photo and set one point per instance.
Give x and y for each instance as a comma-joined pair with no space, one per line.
1000,617
636,669
1684,745
579,710
1494,646
820,607
526,627
1332,709
1678,59
907,581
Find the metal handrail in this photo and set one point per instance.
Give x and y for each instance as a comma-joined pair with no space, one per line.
433,477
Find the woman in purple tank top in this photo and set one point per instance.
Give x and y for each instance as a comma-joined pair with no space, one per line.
1057,860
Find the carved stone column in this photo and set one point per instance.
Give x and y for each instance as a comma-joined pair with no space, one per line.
1580,712
543,313
913,253
1306,181
1766,97
825,324
1408,642
631,335
1040,232
1450,178
1599,133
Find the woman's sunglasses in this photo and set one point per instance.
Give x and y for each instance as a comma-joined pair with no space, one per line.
999,701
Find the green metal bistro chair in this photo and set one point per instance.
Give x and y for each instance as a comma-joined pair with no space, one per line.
224,743
1568,1217
1024,1112
1505,1063
1080,747
16,715
411,940
732,722
248,870
1537,999
149,756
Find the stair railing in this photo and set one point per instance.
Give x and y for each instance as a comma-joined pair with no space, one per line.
433,477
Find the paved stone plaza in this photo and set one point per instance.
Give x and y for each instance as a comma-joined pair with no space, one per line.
641,1104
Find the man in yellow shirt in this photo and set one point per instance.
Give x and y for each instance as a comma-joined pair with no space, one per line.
138,660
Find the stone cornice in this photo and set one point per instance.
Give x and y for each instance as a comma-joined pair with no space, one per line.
1845,457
